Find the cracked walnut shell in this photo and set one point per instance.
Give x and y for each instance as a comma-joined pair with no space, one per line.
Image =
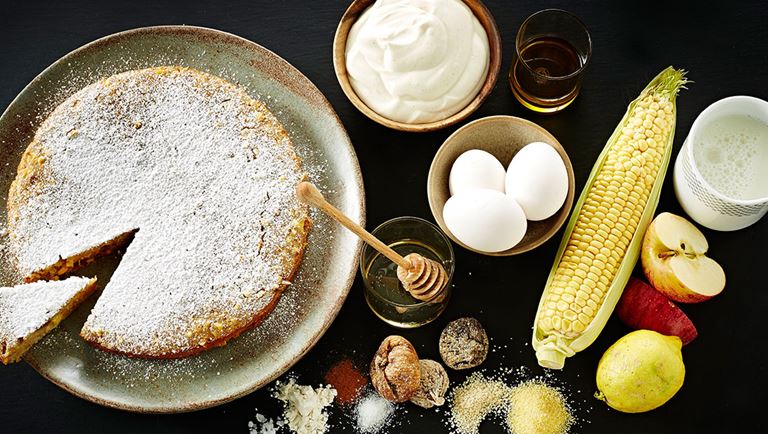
395,369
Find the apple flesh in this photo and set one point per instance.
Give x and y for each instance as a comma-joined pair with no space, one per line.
643,308
675,262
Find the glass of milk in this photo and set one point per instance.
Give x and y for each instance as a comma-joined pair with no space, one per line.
721,172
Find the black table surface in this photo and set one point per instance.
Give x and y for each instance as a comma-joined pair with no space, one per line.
725,48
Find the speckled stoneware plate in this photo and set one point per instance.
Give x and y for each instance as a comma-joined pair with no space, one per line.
306,309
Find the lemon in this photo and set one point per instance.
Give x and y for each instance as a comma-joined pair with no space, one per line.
640,372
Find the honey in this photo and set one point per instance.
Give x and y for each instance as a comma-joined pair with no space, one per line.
384,293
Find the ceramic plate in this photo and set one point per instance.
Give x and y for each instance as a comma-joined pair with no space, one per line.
306,309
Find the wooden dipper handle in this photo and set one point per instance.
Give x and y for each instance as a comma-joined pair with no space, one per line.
308,193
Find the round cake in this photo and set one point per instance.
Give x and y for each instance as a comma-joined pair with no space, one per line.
188,173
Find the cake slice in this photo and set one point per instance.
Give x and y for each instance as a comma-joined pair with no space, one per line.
29,311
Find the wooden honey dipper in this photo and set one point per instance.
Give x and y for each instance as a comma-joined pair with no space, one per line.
422,277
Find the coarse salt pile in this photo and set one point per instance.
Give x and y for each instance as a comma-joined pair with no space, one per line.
474,400
536,408
372,413
304,406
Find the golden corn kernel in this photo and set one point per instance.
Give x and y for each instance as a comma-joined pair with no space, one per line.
579,327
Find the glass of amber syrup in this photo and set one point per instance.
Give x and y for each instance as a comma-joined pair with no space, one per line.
552,50
384,293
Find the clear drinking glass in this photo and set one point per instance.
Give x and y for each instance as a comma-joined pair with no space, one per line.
552,50
383,291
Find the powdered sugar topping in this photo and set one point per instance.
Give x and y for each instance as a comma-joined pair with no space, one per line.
27,307
204,175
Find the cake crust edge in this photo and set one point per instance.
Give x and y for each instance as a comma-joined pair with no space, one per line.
93,339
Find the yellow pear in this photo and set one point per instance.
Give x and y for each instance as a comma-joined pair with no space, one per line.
641,371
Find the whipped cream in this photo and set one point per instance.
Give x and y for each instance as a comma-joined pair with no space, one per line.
417,61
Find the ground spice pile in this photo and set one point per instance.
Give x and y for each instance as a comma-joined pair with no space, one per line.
474,400
533,407
536,408
347,380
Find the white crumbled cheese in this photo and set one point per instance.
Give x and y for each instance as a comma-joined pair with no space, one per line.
304,406
263,425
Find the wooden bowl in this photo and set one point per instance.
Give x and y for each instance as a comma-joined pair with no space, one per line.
502,136
340,67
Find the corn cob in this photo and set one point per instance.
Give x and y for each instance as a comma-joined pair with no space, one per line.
602,241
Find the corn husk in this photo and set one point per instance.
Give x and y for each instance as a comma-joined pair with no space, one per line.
552,350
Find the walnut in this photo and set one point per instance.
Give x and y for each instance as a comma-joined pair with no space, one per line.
463,343
395,369
434,384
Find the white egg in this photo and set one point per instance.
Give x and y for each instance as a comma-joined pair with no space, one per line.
485,220
538,180
476,169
